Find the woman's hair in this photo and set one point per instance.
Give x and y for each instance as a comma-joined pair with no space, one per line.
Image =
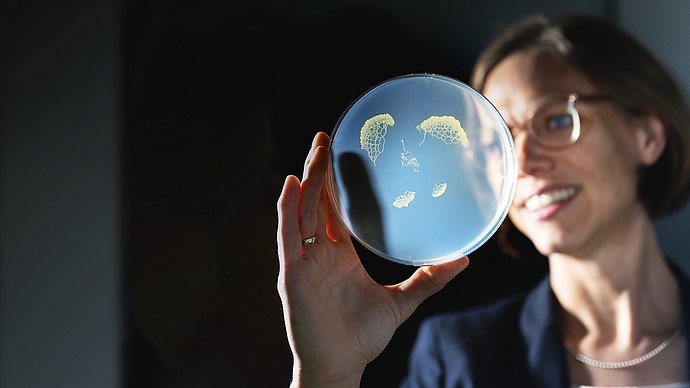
623,68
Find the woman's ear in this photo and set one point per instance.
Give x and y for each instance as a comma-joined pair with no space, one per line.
651,138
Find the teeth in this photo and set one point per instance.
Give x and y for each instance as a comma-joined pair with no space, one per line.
543,200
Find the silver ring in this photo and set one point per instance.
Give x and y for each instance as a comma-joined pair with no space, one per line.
309,241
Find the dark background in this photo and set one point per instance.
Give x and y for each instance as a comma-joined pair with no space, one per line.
144,144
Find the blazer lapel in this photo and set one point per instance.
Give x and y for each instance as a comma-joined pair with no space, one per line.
539,325
684,288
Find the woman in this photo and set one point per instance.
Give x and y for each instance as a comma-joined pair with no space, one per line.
603,141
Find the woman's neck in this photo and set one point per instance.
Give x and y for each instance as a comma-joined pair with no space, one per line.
618,292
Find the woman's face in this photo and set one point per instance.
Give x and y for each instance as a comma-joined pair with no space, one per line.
568,200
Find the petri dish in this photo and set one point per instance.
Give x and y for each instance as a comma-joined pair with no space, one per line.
422,169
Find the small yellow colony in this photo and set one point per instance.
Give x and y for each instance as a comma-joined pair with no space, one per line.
439,189
404,199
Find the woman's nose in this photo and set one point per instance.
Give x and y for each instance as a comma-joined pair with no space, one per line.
532,156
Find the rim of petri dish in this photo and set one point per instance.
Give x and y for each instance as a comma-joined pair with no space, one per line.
505,199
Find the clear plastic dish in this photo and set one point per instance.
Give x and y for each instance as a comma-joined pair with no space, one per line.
423,169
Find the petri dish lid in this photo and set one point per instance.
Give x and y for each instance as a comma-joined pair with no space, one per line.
422,170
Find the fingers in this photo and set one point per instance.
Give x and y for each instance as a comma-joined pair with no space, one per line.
335,228
312,211
299,203
327,220
320,140
424,282
289,238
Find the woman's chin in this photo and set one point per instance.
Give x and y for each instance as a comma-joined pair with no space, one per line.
549,245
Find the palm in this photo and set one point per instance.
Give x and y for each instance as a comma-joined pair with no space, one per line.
338,306
337,318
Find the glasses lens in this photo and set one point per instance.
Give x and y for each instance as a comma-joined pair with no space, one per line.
555,124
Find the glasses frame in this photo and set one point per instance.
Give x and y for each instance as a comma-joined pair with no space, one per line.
571,100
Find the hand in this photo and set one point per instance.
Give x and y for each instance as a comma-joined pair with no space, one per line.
337,318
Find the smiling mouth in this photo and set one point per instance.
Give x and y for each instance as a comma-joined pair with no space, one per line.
548,198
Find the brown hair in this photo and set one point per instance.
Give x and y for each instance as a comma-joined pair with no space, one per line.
623,68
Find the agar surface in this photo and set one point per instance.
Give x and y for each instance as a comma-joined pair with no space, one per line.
406,158
439,189
404,199
372,136
445,128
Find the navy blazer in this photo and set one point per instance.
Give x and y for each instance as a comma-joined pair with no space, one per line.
515,342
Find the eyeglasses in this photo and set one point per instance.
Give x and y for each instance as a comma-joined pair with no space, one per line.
555,122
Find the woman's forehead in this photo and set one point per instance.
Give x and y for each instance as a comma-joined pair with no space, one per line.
529,75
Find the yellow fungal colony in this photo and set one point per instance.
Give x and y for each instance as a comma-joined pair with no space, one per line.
439,189
404,200
372,136
445,128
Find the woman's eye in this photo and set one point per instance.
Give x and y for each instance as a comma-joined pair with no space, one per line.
556,122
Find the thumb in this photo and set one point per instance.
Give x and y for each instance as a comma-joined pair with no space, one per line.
424,282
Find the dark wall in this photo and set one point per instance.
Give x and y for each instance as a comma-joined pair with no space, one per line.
59,194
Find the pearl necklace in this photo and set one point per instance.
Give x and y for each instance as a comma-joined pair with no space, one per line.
627,363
